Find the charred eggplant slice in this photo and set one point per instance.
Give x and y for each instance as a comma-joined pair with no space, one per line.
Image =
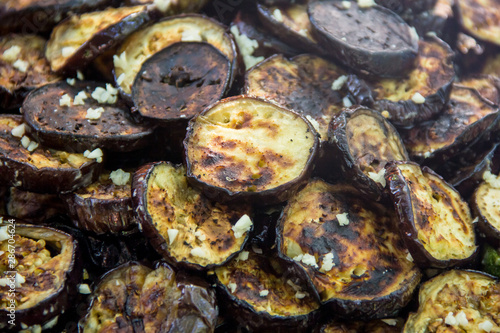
362,143
264,292
485,206
478,19
83,116
370,40
435,222
388,325
104,206
183,225
350,248
78,40
180,81
247,148
34,207
187,28
23,67
43,268
407,6
28,166
134,297
457,300
303,84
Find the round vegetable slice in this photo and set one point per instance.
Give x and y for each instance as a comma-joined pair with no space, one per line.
370,40
180,81
247,148
478,19
350,248
23,68
44,273
457,300
83,116
28,166
265,292
134,297
435,222
485,206
183,225
104,206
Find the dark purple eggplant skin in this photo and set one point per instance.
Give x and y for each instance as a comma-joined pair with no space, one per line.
268,197
61,300
34,207
402,203
107,39
40,16
379,62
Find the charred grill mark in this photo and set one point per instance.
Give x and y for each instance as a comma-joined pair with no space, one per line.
211,158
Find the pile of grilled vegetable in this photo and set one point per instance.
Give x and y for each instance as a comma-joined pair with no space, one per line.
250,166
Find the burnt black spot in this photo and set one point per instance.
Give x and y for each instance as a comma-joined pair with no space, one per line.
210,158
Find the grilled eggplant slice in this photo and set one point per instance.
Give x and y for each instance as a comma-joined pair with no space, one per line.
265,292
365,39
485,206
423,93
438,19
435,223
388,325
303,84
405,6
186,28
41,170
247,148
34,207
136,298
43,268
350,248
180,81
23,67
290,22
59,119
104,206
37,16
182,224
479,20
172,7
362,143
456,300
466,107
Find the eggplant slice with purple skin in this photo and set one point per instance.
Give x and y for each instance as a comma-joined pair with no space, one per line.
34,207
457,300
83,116
387,325
185,227
142,44
303,84
480,18
262,292
350,248
485,207
180,81
28,166
77,41
23,67
421,94
249,149
361,142
136,298
371,41
435,222
104,206
45,272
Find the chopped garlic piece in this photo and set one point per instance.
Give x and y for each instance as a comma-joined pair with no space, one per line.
346,102
65,100
386,114
346,4
120,61
68,51
19,131
84,289
4,234
366,3
378,177
264,293
328,263
191,35
96,153
486,326
409,257
119,177
80,98
307,259
413,34
199,252
94,114
450,319
242,226
461,318
32,146
71,81
200,235
25,141
417,98
246,47
79,75
303,32
243,255
19,280
172,235
339,82
163,5
21,65
232,286
300,295
278,15
105,96
11,53
343,219
390,322
120,79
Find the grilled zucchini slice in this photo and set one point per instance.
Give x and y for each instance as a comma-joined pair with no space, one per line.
485,206
435,222
23,67
350,248
249,149
186,28
478,19
34,207
180,81
456,300
41,170
104,206
43,268
364,39
183,225
83,116
303,84
134,297
361,143
263,292
78,40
